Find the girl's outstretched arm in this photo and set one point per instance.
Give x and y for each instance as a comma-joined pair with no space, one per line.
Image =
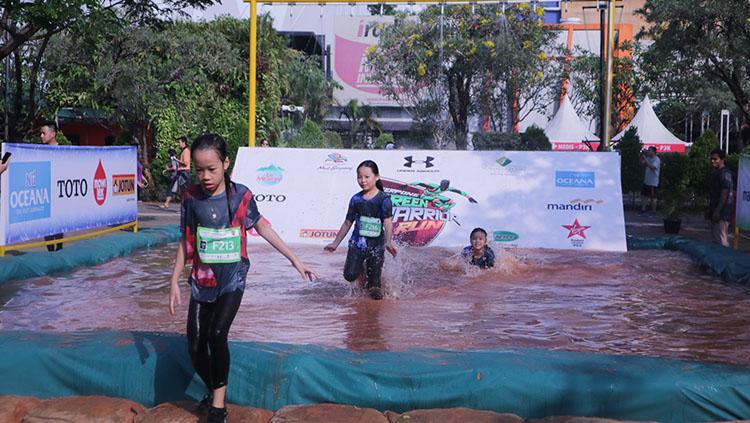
388,229
343,230
174,286
266,231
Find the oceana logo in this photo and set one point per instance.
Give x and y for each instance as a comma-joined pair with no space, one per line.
569,179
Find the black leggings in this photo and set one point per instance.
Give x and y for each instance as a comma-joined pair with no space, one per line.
207,329
371,260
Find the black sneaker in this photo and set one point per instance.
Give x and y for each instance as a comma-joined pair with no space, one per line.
205,403
376,293
217,415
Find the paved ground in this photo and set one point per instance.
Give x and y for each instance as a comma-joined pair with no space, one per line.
651,225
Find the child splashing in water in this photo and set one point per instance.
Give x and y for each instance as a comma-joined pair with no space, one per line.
216,215
370,211
479,253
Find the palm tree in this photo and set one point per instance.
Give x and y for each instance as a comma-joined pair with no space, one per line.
361,120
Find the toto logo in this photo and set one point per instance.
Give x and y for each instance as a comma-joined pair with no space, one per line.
570,179
269,198
67,188
100,184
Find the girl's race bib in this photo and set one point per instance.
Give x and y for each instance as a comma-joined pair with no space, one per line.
219,245
370,227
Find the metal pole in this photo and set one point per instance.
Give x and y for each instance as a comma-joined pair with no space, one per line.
253,71
610,68
602,73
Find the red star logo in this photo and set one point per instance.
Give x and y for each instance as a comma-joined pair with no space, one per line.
576,229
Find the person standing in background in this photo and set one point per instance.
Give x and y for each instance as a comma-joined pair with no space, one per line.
48,135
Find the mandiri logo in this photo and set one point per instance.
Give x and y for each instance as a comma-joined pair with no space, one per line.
570,179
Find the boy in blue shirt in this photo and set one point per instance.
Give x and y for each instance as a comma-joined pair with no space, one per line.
478,253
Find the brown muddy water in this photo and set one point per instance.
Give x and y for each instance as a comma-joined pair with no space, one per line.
649,302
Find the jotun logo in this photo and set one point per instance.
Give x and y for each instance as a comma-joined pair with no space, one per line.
570,179
100,184
123,184
318,233
504,236
270,175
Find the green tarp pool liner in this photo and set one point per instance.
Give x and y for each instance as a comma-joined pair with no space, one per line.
84,253
151,368
732,266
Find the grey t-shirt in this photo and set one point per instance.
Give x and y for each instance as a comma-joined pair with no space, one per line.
198,209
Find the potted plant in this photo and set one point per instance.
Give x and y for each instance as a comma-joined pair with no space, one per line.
674,188
672,208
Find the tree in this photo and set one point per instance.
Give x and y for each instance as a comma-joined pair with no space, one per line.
483,59
699,46
627,85
29,26
361,122
631,171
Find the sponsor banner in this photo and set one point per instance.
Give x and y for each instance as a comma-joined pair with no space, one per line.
354,35
561,200
57,189
743,194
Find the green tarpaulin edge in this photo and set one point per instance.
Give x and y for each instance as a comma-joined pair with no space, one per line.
84,253
732,266
151,368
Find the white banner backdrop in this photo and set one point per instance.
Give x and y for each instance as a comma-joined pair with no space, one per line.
57,189
522,199
743,194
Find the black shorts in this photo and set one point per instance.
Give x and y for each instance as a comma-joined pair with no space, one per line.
648,191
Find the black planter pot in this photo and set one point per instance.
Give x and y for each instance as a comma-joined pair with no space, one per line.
672,226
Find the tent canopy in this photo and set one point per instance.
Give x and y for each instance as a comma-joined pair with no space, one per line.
652,132
566,131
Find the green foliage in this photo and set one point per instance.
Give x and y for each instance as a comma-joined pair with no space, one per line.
497,141
700,52
631,170
627,83
673,184
309,136
482,59
362,123
333,139
534,139
698,165
182,78
382,140
732,162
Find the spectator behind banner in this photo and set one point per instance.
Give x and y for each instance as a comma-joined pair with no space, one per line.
652,163
720,203
48,135
183,176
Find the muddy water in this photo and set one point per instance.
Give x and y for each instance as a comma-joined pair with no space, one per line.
643,302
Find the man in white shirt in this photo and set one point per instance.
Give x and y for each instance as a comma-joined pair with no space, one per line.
651,161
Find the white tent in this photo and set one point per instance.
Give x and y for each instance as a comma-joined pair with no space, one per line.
566,132
652,132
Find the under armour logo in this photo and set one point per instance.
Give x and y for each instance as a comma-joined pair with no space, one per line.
427,161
